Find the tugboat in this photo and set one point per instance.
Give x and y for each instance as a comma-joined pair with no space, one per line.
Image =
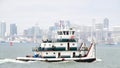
65,48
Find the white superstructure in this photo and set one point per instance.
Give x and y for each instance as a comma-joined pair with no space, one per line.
64,48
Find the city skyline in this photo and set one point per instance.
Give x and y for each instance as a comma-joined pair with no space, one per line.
99,32
26,13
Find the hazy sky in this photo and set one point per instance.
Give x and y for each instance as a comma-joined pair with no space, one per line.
26,13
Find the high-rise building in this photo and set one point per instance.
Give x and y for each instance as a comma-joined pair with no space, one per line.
37,31
99,32
2,29
13,29
106,29
106,23
29,32
33,32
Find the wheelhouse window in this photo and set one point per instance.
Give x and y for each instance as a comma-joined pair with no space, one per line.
64,32
70,32
67,32
73,32
59,32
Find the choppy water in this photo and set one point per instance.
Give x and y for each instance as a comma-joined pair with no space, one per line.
108,57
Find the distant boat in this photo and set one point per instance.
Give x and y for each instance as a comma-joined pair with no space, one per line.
15,41
111,43
2,41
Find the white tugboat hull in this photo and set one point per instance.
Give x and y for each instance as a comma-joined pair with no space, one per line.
84,59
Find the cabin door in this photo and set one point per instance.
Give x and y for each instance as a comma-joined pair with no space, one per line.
73,54
68,46
59,55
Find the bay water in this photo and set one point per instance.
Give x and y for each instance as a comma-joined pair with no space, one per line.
108,56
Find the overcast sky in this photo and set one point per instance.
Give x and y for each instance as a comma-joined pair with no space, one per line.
26,13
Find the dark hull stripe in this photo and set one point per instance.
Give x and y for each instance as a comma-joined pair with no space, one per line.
73,48
55,57
65,57
49,57
53,49
58,49
86,60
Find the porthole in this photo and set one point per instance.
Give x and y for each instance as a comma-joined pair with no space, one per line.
46,53
44,44
73,44
54,53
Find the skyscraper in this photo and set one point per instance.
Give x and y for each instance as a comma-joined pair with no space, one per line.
106,23
2,29
99,32
37,31
13,29
33,32
106,29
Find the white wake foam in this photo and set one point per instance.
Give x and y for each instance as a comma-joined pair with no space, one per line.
2,61
98,59
62,62
13,60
